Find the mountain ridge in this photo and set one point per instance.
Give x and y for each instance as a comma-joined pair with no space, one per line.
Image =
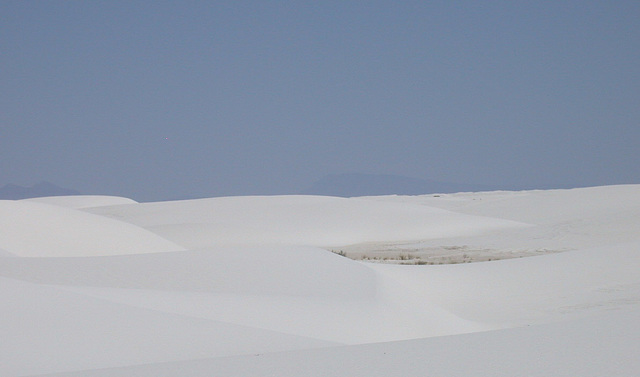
12,191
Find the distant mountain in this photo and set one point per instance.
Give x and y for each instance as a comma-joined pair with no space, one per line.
357,184
15,192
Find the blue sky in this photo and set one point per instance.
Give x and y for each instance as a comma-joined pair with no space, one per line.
156,100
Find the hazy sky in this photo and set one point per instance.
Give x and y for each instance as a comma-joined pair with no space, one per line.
156,100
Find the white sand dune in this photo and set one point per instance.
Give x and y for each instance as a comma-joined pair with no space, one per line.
82,201
31,229
240,286
297,220
601,345
562,219
46,328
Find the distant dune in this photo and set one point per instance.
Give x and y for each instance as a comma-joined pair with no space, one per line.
358,184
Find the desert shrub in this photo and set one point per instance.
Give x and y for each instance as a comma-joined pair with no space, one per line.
340,252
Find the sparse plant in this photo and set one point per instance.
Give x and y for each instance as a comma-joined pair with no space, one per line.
340,252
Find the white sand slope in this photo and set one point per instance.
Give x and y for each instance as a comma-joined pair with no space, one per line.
31,229
298,220
601,345
47,328
248,292
561,219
